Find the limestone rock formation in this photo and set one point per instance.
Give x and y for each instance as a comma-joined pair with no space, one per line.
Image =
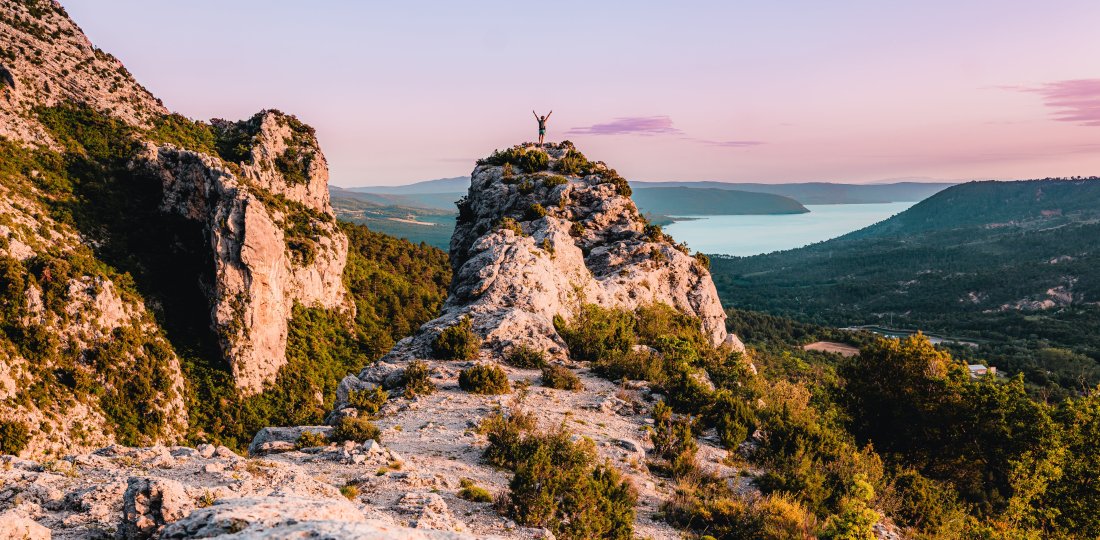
273,235
100,367
46,59
531,246
151,503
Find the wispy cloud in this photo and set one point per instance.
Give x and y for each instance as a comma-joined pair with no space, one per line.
726,144
630,125
1076,101
652,125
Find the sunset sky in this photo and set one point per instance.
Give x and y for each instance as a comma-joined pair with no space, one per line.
846,91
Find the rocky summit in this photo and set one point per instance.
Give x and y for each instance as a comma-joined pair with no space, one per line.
532,246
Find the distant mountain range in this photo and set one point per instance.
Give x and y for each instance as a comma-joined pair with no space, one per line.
458,184
1014,263
803,192
823,192
689,201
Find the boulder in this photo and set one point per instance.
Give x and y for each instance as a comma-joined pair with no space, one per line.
271,440
15,525
430,511
149,504
384,373
242,516
350,384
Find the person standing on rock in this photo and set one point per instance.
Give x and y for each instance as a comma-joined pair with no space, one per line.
542,124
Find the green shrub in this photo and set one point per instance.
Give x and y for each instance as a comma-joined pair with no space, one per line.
457,342
506,435
14,437
673,440
309,439
525,357
526,187
610,176
510,224
370,401
640,365
561,378
855,519
484,379
576,230
534,161
703,260
417,379
472,492
926,506
597,333
654,233
184,132
552,181
352,428
351,491
733,419
506,172
294,165
559,485
535,211
708,506
528,160
573,163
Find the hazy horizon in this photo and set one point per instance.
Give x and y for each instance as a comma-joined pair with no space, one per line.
772,93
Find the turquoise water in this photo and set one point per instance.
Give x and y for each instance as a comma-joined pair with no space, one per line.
753,235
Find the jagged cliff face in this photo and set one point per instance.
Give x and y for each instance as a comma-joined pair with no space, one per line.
45,59
273,236
531,246
84,359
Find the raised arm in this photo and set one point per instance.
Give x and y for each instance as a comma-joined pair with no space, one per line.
548,114
536,115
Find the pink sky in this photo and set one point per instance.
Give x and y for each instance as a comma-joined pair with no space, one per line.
852,91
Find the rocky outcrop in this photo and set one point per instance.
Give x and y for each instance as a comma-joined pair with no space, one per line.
532,246
272,241
15,525
276,517
149,504
273,236
45,59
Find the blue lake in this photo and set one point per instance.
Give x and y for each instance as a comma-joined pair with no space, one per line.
753,235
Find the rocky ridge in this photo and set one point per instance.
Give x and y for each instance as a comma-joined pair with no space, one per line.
261,200
45,59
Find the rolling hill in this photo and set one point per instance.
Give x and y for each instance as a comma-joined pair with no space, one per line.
1015,265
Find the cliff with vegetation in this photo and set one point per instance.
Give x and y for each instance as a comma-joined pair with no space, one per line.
158,271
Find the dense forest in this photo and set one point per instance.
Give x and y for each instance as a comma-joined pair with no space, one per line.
1010,266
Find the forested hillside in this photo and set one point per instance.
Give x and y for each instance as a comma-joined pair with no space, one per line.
1011,265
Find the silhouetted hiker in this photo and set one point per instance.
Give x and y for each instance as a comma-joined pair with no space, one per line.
542,124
